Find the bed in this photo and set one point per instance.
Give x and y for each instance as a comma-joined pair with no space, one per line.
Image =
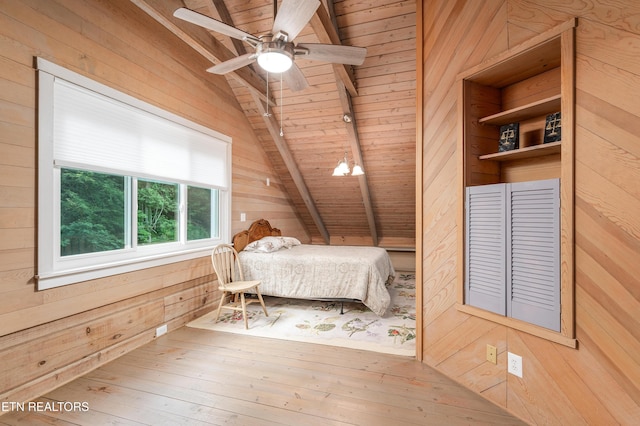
287,268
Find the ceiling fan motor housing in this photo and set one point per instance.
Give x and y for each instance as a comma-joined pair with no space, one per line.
275,55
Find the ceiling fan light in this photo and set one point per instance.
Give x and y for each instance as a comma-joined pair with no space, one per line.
275,61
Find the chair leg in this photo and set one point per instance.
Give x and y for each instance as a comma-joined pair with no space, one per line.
222,298
244,311
264,308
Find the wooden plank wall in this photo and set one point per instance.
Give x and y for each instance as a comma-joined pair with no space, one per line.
599,382
49,337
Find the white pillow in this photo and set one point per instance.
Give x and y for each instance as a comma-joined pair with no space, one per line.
289,241
271,244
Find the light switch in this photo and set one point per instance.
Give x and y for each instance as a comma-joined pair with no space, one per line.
243,217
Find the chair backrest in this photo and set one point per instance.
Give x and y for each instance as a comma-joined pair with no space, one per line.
226,264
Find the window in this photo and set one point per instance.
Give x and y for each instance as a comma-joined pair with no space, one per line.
157,212
200,203
123,185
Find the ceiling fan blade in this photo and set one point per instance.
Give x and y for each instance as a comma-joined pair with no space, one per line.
293,16
334,53
232,64
213,24
295,79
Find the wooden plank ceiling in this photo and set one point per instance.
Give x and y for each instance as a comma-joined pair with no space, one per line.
377,208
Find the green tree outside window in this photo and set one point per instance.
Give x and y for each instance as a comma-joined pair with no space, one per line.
92,212
157,212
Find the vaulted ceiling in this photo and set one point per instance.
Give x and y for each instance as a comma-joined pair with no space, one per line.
303,131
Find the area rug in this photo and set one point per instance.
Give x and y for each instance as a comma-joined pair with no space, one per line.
321,322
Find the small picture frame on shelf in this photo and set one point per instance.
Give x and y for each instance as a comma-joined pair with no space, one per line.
553,128
509,137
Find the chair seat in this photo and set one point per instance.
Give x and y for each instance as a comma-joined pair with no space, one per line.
239,286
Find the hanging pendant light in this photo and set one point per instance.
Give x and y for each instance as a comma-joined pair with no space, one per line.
342,169
357,170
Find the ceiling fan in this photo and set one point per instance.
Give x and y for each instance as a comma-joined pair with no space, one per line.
275,51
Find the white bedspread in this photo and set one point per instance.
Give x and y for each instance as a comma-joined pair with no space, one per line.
316,272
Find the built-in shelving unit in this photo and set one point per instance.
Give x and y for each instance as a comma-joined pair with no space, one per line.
493,97
523,85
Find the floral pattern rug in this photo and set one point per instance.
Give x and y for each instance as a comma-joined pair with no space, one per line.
321,322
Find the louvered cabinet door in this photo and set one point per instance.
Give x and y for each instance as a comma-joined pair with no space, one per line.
512,250
485,257
533,252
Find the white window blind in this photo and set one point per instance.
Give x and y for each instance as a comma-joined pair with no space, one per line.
91,129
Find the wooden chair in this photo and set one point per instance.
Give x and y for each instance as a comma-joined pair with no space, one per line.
231,281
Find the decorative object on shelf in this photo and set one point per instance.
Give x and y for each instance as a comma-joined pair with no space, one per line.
509,137
553,128
342,169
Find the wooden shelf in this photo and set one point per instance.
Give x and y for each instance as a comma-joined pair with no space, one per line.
528,152
534,109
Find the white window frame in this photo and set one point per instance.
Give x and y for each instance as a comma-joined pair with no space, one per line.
54,270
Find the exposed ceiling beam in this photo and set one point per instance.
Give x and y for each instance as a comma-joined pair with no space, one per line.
354,138
218,6
356,151
326,32
201,41
292,167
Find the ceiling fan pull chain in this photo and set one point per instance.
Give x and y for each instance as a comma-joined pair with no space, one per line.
267,114
281,132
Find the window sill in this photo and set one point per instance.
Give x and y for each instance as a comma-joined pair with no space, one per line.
48,280
519,325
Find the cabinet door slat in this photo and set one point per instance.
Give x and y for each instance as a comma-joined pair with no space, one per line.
533,239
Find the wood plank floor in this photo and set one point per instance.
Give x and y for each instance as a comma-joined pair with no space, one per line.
200,377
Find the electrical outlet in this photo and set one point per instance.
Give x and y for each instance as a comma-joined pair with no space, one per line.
492,354
161,330
243,217
514,364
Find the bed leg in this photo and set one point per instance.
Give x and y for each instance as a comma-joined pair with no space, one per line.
341,308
